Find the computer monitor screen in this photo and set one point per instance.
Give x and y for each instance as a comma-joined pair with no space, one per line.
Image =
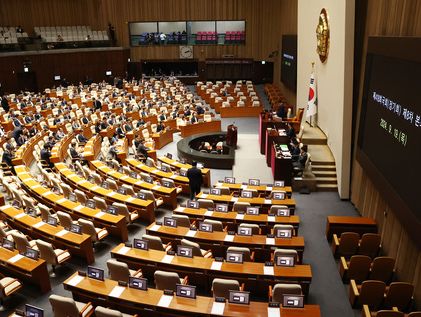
72,197
169,155
32,311
183,172
141,195
200,165
165,169
215,191
148,179
170,222
31,212
246,194
75,229
284,260
112,210
95,273
90,203
234,257
278,195
279,184
229,180
52,221
296,301
254,182
140,244
122,190
282,212
185,291
244,231
207,227
283,233
221,207
133,174
31,253
138,283
238,297
192,204
105,185
185,251
252,210
167,184
7,244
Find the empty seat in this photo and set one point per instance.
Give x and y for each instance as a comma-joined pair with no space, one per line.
155,243
172,184
52,256
196,250
67,307
247,255
346,245
124,211
286,252
255,229
240,206
97,234
399,294
100,203
356,269
107,312
221,287
81,196
119,271
381,313
182,220
276,294
22,242
369,293
382,269
216,224
64,219
369,244
150,196
284,227
206,203
8,286
168,280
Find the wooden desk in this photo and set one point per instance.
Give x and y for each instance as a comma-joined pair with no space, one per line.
219,241
339,224
200,127
144,207
23,155
236,218
264,203
169,195
25,269
132,300
163,138
281,167
272,136
178,165
266,189
201,271
264,123
115,224
232,112
158,174
77,244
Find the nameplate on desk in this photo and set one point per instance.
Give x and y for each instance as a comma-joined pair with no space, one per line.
155,171
124,177
218,308
18,216
39,224
234,199
138,183
167,259
111,194
61,200
180,209
95,187
155,228
267,201
239,216
165,300
117,291
269,188
243,186
61,233
216,265
156,187
229,237
173,176
35,186
271,218
46,193
99,214
130,199
15,258
123,250
268,270
78,207
75,280
270,241
274,312
204,196
209,213
82,181
191,233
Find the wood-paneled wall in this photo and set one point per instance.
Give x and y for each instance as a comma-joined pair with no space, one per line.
392,18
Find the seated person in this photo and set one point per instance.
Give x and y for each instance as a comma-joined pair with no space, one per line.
290,131
45,155
282,111
120,131
160,126
81,138
7,156
295,150
74,152
202,147
302,159
113,151
142,149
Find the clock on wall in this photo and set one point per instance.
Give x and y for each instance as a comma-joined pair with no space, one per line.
186,51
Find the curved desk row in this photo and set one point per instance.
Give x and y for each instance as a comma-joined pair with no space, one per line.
133,301
201,271
115,224
77,244
219,241
264,189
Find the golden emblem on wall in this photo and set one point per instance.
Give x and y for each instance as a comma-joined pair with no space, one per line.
323,36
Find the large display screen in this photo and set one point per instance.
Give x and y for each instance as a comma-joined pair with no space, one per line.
389,139
289,61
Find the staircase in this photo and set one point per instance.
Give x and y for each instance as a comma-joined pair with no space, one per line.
325,173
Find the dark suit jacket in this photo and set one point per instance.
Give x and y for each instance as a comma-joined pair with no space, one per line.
45,155
195,177
74,153
7,158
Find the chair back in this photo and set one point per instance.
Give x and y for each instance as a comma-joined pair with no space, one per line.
399,295
348,243
359,267
216,224
196,251
390,313
46,252
21,242
206,203
245,251
118,271
372,293
100,203
221,287
88,228
255,229
80,195
63,306
166,280
370,244
122,210
64,219
182,220
240,206
107,312
286,252
279,290
150,162
382,269
154,242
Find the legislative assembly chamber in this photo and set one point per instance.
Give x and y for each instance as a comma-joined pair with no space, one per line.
210,158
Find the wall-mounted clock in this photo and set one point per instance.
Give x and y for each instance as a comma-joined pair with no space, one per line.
186,51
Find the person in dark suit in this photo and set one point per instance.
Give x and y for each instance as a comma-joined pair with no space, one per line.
142,149
281,113
7,156
104,124
160,126
85,120
302,158
194,118
195,180
290,131
97,104
120,132
5,104
73,152
81,138
17,132
45,155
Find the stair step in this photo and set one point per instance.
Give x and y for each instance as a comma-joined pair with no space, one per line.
324,173
314,162
323,168
327,180
313,141
327,188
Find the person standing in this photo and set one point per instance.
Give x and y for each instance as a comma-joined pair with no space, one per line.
195,180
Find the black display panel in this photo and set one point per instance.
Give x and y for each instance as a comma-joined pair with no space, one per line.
389,139
289,61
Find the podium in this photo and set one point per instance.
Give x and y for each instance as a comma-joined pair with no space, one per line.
232,135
